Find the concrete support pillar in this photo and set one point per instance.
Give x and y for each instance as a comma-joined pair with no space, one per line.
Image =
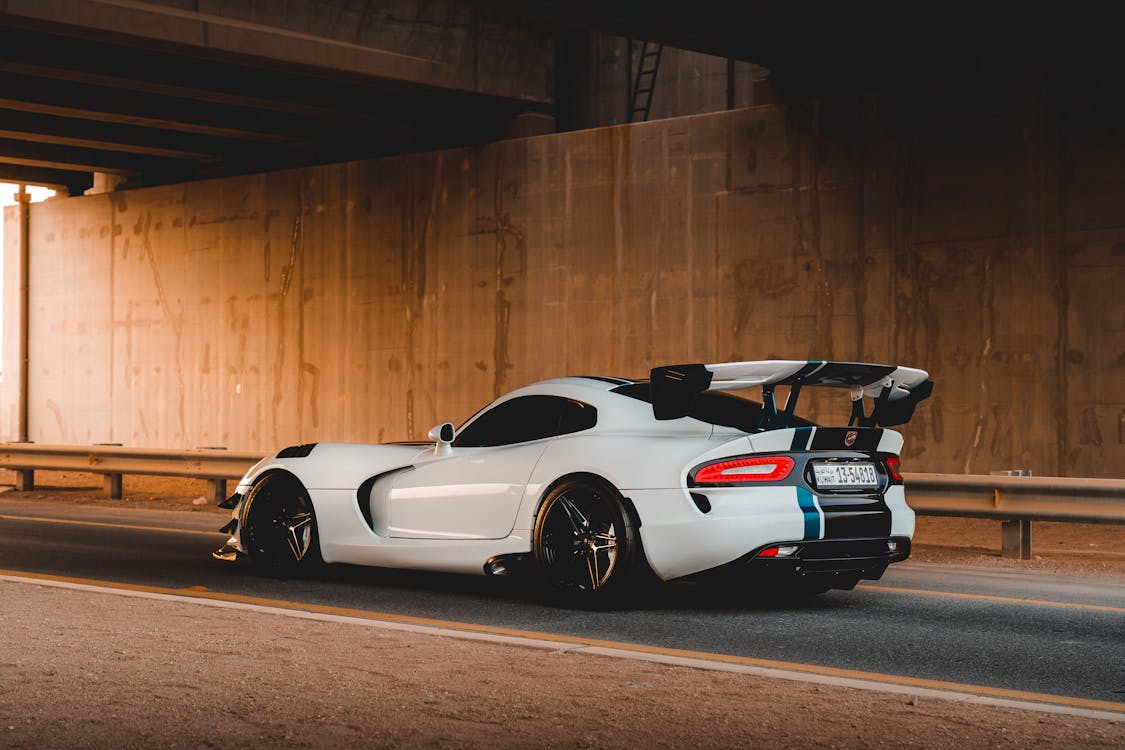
23,198
104,183
25,480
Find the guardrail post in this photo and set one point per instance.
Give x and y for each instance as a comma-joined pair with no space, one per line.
218,490
25,480
111,483
1015,539
111,486
1015,535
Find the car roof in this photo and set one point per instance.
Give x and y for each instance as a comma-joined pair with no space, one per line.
595,382
616,413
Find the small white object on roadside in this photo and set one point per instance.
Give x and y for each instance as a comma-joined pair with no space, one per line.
201,500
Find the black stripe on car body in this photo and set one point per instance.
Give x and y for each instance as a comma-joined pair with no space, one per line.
800,438
604,379
835,438
849,516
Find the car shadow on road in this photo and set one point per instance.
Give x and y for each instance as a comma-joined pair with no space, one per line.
387,586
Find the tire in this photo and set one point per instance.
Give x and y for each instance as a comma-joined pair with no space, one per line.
279,529
585,544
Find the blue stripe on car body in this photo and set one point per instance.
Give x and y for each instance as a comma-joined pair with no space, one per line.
814,523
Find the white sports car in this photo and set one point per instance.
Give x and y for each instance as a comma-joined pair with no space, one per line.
586,481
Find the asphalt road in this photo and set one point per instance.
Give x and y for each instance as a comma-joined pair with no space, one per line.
926,621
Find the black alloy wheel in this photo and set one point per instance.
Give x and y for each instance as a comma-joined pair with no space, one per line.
279,526
585,544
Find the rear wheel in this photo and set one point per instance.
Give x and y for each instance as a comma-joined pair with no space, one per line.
279,526
585,544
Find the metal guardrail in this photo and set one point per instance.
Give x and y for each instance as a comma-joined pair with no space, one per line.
1014,500
1017,498
216,465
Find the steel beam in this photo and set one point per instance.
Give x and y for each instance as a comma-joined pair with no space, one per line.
68,180
41,128
107,104
79,159
161,72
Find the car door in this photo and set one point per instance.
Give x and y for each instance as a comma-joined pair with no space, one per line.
475,491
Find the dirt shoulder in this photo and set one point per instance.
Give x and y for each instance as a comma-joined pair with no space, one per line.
92,669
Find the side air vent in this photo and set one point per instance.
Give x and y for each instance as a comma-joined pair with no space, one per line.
296,451
363,497
701,502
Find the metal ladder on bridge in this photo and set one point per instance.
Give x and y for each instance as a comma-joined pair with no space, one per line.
645,81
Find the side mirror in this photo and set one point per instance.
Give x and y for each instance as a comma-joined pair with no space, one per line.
443,435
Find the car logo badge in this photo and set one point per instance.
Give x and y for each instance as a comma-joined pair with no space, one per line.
849,438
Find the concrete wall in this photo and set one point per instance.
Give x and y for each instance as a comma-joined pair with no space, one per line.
973,233
596,75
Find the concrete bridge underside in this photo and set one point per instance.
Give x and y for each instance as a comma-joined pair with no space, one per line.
974,231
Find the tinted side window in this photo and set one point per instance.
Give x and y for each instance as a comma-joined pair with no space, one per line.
527,418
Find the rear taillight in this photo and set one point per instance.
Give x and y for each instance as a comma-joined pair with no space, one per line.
743,470
894,468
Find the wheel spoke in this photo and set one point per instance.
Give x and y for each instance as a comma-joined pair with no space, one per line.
549,549
592,569
577,520
300,520
299,535
295,546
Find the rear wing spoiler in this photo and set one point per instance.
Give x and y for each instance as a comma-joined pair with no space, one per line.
895,390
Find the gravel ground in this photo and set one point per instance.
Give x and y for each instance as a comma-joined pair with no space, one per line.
92,669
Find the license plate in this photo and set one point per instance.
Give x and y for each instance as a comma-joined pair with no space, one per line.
845,475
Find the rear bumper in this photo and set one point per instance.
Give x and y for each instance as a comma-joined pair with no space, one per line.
832,562
681,540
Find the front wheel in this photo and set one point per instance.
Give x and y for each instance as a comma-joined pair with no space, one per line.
279,526
585,544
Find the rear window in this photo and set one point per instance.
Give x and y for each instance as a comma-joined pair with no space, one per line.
715,407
